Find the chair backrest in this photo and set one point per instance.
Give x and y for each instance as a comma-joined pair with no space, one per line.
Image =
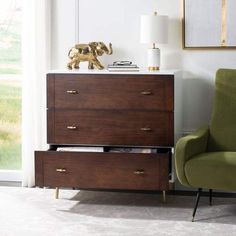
223,120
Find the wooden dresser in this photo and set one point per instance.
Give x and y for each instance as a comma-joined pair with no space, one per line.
108,110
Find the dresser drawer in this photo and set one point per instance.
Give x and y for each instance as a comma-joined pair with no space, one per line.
111,92
102,170
130,128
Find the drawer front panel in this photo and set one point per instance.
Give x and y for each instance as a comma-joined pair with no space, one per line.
112,92
104,170
136,128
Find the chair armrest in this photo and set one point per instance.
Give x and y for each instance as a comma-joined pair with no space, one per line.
188,147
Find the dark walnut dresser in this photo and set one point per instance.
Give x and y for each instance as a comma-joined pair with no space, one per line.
109,110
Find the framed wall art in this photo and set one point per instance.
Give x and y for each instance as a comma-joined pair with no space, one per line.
209,24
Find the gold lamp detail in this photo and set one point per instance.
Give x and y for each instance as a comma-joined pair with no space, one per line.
154,30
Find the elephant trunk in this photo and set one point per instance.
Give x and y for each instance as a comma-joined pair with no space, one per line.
110,50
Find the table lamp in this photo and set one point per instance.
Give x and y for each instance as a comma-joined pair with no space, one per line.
154,29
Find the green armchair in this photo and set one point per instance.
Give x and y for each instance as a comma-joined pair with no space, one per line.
207,157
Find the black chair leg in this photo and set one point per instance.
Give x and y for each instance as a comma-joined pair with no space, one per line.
210,197
197,201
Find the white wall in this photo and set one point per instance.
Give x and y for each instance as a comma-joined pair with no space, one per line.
64,30
118,22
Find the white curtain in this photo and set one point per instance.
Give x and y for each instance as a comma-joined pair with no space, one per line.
36,61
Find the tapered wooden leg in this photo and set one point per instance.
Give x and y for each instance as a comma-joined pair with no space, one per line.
196,204
164,196
57,193
210,197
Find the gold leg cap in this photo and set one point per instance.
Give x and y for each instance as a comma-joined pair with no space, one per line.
164,196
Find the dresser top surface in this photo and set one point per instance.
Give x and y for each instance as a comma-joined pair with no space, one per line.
100,72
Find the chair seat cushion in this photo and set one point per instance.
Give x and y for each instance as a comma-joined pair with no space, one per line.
212,170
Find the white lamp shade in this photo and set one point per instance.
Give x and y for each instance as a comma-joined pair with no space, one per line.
154,29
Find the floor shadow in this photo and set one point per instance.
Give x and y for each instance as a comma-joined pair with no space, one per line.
151,207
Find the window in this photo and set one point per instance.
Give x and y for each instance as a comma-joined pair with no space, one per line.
10,85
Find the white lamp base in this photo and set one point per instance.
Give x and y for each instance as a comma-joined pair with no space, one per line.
153,59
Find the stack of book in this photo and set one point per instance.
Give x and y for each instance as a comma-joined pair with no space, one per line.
133,150
122,66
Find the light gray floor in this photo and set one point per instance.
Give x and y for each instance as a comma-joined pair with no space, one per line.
35,211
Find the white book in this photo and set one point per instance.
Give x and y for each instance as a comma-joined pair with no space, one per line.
122,66
123,69
80,149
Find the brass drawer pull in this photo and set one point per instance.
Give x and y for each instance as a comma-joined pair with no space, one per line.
146,92
71,127
146,129
139,172
61,170
72,91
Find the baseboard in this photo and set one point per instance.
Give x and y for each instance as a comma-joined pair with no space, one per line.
10,183
170,192
204,193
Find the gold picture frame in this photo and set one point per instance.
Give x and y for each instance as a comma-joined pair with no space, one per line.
209,24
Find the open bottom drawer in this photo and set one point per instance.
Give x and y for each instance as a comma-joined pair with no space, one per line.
89,170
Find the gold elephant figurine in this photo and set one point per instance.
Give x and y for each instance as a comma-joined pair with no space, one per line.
88,52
